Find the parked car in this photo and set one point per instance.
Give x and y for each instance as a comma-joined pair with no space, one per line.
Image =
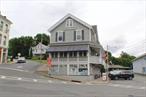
118,74
21,60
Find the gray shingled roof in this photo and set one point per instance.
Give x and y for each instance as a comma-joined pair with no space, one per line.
68,48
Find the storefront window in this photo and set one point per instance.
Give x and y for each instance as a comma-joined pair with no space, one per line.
83,69
73,69
54,68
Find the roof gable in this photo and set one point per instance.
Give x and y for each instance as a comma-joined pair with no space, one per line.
69,16
40,45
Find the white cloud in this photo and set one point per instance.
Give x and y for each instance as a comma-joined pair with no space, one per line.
119,22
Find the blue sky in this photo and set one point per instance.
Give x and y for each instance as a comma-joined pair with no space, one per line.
121,23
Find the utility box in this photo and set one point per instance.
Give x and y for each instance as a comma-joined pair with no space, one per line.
104,76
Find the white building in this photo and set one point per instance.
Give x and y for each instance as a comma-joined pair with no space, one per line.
139,64
4,37
39,49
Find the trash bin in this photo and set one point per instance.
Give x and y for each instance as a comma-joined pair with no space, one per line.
104,77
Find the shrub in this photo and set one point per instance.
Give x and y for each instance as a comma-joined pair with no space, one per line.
35,58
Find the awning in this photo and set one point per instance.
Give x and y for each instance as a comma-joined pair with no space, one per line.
67,48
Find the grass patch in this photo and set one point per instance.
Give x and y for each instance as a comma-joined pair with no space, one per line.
41,61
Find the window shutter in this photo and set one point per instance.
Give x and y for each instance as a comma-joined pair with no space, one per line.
82,34
63,36
74,35
56,36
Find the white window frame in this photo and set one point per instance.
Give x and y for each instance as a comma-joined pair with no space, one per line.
79,32
1,25
59,35
69,23
7,28
5,41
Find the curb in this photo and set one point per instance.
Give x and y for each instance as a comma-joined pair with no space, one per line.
11,63
46,75
71,80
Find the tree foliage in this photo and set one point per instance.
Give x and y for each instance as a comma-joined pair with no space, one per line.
24,43
42,37
20,45
124,59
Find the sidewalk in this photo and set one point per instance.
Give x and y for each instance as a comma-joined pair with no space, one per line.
43,70
98,81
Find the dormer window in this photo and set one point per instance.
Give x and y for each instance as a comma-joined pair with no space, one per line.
69,23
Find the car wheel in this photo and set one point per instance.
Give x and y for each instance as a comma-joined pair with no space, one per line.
111,78
130,78
116,78
125,78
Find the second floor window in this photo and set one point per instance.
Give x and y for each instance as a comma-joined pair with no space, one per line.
5,39
1,25
7,29
69,23
60,36
79,35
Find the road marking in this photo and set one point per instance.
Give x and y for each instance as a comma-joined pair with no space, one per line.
19,78
88,83
126,86
3,77
129,86
142,88
78,83
63,82
19,67
35,80
49,81
14,69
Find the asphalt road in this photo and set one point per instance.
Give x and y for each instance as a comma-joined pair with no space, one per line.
19,80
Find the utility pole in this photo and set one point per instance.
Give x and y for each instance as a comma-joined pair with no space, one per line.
41,48
107,59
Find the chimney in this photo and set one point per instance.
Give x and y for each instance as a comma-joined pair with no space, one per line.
94,28
96,32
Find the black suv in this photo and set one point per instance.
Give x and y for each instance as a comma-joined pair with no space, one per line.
118,74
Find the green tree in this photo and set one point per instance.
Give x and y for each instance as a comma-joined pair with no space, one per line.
20,45
124,60
42,37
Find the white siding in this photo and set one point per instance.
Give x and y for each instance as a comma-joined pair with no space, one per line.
138,65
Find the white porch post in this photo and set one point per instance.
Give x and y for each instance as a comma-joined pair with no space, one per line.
68,63
58,57
88,54
58,62
78,62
